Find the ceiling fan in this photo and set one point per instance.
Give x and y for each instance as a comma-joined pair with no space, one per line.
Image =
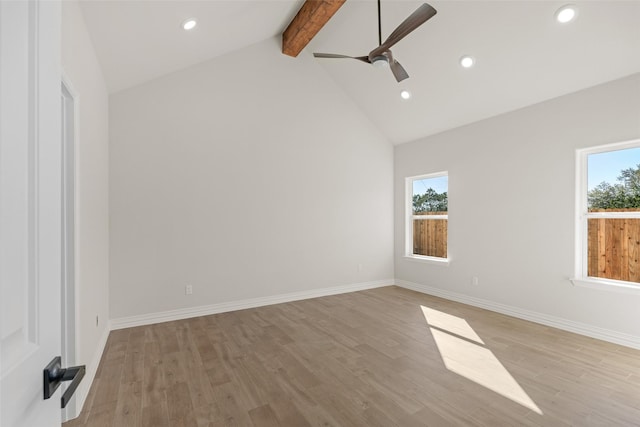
381,56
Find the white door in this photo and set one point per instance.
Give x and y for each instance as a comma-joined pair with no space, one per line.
30,209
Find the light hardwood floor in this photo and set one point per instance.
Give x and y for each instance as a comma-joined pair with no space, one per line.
383,357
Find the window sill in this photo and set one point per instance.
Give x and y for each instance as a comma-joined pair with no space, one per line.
606,285
429,260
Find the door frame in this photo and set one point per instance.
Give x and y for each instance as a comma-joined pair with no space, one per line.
69,297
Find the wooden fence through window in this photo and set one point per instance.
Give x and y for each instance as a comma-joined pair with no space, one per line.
614,247
430,235
613,244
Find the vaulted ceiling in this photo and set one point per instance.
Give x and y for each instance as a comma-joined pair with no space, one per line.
139,40
523,55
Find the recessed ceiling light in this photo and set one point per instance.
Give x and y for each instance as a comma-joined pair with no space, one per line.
405,94
189,24
467,61
566,13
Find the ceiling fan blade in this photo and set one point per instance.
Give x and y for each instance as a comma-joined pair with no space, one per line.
398,71
417,18
333,55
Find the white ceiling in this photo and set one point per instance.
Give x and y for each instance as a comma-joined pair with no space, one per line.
523,55
139,40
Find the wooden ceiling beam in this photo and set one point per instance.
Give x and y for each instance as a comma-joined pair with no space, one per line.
308,21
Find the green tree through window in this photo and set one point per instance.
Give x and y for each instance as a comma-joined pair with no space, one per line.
622,195
430,201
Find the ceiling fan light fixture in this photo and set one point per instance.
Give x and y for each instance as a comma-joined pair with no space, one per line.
380,61
566,14
189,24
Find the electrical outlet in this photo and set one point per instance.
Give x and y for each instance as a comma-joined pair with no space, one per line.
359,267
188,290
474,281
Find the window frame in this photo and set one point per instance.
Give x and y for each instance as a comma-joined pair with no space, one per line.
581,277
409,217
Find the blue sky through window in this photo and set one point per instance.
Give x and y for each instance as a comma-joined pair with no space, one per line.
439,184
607,166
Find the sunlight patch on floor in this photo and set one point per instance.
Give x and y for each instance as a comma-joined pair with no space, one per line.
450,323
471,359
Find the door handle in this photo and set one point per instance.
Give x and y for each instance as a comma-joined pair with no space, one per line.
54,375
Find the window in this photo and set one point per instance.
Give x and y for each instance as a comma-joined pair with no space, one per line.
427,206
609,214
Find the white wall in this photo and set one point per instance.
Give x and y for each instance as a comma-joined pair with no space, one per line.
247,176
82,71
511,205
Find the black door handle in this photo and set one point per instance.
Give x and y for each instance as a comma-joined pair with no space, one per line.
54,375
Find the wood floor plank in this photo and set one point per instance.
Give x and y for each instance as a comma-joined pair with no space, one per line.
231,411
382,357
288,413
101,415
156,415
128,411
263,416
180,406
153,376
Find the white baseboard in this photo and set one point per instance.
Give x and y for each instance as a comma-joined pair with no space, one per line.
83,389
544,319
205,310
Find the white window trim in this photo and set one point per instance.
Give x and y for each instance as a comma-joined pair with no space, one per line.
581,223
409,217
429,259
